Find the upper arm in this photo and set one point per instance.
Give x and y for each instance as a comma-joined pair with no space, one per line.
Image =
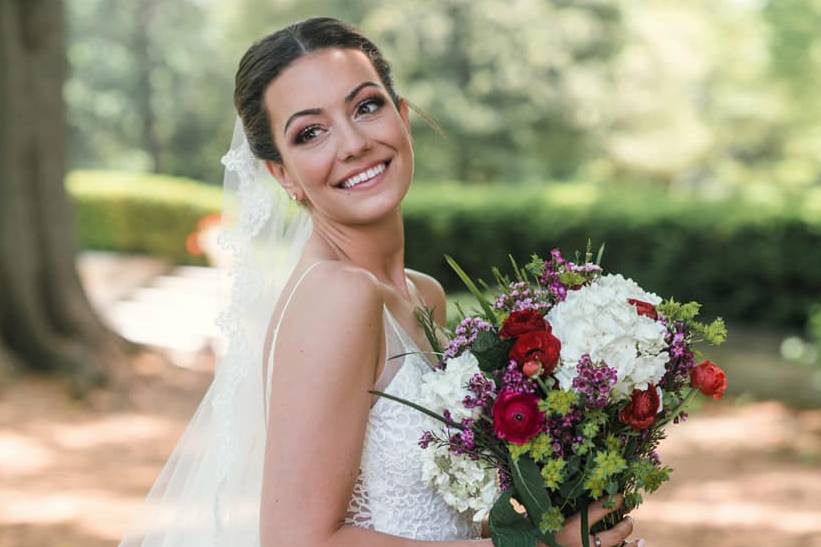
433,294
326,352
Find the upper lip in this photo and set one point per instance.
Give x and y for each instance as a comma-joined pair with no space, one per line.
359,170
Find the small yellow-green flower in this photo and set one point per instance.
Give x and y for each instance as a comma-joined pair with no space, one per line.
558,402
607,464
517,450
551,521
541,448
552,473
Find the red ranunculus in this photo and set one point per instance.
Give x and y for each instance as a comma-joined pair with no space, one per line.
641,412
516,417
521,322
644,308
709,379
539,346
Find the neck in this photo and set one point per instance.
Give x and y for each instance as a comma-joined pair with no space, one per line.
378,247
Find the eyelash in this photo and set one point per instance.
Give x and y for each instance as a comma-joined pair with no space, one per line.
302,138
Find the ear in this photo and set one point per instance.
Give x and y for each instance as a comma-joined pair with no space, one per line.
280,173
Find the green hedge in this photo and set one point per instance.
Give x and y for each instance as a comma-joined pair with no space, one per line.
140,213
755,261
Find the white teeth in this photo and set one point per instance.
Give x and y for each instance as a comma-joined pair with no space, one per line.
364,176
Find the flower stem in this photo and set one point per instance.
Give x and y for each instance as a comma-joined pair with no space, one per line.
679,408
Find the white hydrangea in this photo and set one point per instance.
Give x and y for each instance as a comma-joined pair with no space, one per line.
445,389
598,320
465,484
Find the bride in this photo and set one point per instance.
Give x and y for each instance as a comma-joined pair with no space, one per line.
299,454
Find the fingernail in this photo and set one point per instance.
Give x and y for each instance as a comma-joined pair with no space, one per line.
641,543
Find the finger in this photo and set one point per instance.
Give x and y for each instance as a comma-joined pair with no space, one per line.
636,543
617,534
597,511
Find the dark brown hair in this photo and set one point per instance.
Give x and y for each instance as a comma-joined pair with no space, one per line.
269,56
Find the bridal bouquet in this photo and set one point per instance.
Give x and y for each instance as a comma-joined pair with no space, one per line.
558,393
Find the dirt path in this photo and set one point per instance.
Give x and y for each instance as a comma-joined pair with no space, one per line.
71,474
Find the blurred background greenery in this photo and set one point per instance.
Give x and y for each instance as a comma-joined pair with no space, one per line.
686,136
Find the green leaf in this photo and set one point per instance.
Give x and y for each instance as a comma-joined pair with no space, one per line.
490,351
507,527
600,254
585,527
420,408
530,490
490,315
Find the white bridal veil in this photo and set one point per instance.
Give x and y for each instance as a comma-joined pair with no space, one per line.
208,493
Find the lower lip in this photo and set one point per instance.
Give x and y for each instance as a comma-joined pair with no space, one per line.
369,183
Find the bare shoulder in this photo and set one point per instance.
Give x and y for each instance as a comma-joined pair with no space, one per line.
432,293
337,305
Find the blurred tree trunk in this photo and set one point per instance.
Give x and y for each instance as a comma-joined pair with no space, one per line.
145,96
46,321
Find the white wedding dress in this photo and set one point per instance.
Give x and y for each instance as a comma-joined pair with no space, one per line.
389,495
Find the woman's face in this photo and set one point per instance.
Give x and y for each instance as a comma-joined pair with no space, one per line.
346,149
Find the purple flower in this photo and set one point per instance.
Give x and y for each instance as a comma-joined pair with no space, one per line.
682,359
483,389
464,335
514,380
593,382
426,438
520,296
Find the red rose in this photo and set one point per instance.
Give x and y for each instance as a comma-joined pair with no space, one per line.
537,346
644,308
641,412
521,322
709,379
516,417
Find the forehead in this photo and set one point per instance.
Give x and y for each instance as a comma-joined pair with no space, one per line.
317,80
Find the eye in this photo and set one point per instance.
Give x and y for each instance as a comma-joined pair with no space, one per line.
371,105
307,134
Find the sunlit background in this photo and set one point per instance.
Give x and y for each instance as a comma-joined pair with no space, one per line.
685,136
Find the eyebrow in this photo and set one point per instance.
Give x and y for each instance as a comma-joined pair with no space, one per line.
313,111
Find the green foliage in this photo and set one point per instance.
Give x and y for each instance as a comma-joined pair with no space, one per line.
139,213
559,402
541,448
746,261
714,333
607,463
527,483
553,473
509,528
552,520
648,476
490,351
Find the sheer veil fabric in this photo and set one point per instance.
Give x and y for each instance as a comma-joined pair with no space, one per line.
208,493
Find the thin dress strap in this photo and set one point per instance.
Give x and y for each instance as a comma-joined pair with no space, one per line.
269,364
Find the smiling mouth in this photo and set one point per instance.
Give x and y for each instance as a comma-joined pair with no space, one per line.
364,176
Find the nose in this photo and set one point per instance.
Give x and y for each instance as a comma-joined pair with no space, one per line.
352,142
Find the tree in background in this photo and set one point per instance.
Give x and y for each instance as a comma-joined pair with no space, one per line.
150,86
46,321
702,96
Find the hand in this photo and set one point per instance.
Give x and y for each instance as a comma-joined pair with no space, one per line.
570,534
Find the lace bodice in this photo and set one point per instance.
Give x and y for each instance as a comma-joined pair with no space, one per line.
389,495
